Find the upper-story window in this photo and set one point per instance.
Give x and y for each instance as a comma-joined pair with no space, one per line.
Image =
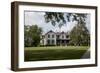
43,36
67,36
58,36
52,36
62,36
48,36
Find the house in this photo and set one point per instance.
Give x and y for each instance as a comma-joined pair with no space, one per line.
55,38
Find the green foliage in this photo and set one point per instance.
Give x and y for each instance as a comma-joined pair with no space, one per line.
32,35
80,36
58,18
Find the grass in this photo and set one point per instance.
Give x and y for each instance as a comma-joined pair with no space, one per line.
54,53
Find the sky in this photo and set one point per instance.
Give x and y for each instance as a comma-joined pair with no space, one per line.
37,18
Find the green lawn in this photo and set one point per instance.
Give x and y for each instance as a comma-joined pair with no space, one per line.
54,53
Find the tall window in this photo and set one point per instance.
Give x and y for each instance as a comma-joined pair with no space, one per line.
43,36
48,41
52,41
52,36
42,41
58,36
48,36
62,36
67,36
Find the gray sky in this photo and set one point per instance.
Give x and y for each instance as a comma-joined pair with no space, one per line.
37,18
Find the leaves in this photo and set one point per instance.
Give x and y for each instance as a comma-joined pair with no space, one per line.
58,18
32,35
54,18
80,35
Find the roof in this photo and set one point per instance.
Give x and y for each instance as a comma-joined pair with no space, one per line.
57,33
50,32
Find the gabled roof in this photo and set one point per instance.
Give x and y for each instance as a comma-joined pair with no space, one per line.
50,32
57,33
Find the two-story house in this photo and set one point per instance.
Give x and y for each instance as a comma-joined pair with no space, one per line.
55,38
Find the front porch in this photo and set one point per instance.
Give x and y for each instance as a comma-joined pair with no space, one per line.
62,42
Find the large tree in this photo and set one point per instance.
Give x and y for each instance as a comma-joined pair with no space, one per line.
32,35
59,18
79,34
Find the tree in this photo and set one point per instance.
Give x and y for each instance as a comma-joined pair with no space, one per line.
55,18
27,38
32,35
58,18
80,36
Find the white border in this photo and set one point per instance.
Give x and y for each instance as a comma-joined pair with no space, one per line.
23,64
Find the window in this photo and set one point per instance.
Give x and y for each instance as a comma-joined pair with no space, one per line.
58,36
48,36
52,36
52,41
62,36
67,36
43,36
48,41
42,41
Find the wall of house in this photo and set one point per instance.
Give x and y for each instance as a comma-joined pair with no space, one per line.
63,36
50,38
